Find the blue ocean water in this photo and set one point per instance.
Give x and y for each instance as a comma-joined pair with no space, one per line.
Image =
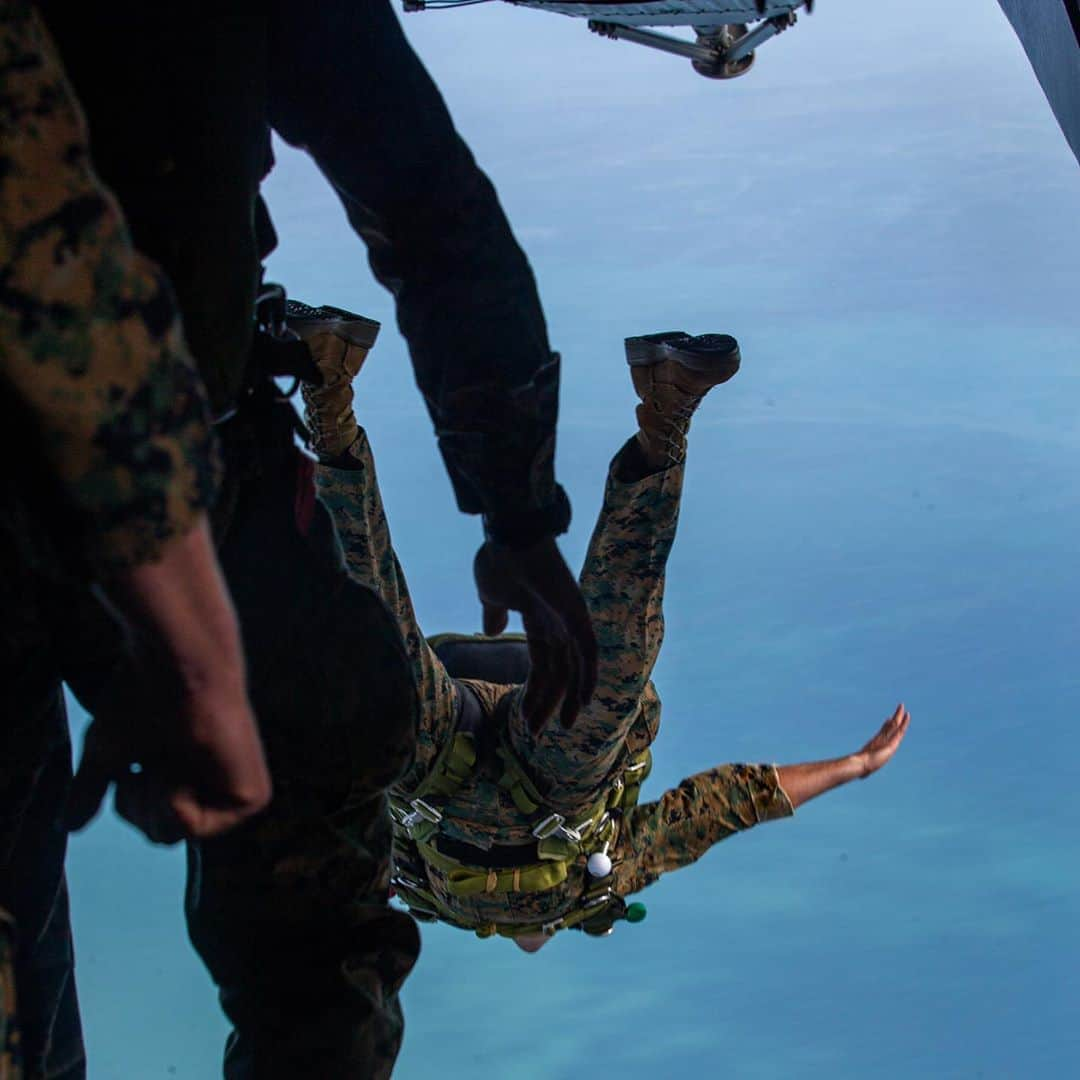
883,506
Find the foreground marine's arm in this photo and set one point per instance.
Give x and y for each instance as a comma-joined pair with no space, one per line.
107,418
680,827
93,363
467,305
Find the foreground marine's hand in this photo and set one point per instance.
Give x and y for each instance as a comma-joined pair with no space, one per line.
183,718
536,582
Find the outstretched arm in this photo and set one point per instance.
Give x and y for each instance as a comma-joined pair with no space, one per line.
680,827
807,781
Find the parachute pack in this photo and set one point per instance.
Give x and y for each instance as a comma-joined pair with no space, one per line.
727,32
559,843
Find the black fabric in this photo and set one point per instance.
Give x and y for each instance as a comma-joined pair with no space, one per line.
175,99
289,911
497,660
1072,7
496,858
346,86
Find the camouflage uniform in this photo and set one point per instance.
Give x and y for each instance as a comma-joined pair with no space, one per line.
94,367
10,1054
108,455
623,581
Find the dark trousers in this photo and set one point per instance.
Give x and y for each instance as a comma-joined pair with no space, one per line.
346,86
289,912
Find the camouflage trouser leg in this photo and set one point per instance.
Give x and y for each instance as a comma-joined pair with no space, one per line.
623,584
290,911
352,495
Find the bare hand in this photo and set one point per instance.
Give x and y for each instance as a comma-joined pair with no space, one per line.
536,582
197,775
178,708
885,743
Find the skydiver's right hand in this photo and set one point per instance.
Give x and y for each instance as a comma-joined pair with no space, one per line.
880,749
536,582
182,718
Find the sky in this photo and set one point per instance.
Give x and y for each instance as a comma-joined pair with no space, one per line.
883,506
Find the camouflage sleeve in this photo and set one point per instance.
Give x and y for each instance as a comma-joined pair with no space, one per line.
498,443
91,350
704,809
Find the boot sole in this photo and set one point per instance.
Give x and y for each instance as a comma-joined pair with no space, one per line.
306,320
707,354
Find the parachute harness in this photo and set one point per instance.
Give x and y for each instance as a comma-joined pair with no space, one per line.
417,822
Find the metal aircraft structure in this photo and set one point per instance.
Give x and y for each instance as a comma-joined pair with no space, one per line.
727,31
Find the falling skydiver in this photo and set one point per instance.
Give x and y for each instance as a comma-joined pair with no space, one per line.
520,833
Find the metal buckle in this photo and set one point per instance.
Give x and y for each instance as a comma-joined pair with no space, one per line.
598,901
421,811
555,825
270,308
586,827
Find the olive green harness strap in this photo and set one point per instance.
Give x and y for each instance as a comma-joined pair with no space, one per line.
451,769
556,854
416,823
463,880
598,902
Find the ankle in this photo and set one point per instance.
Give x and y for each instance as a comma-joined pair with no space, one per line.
635,461
330,419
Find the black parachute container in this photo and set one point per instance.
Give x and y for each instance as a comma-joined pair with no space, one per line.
727,31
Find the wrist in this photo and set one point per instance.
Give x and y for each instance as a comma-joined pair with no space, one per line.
859,764
520,529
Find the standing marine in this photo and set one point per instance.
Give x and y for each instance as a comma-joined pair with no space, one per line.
109,470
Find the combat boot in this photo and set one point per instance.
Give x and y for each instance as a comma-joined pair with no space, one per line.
672,372
339,342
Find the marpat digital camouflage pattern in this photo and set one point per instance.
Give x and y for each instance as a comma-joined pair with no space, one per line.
623,583
91,354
